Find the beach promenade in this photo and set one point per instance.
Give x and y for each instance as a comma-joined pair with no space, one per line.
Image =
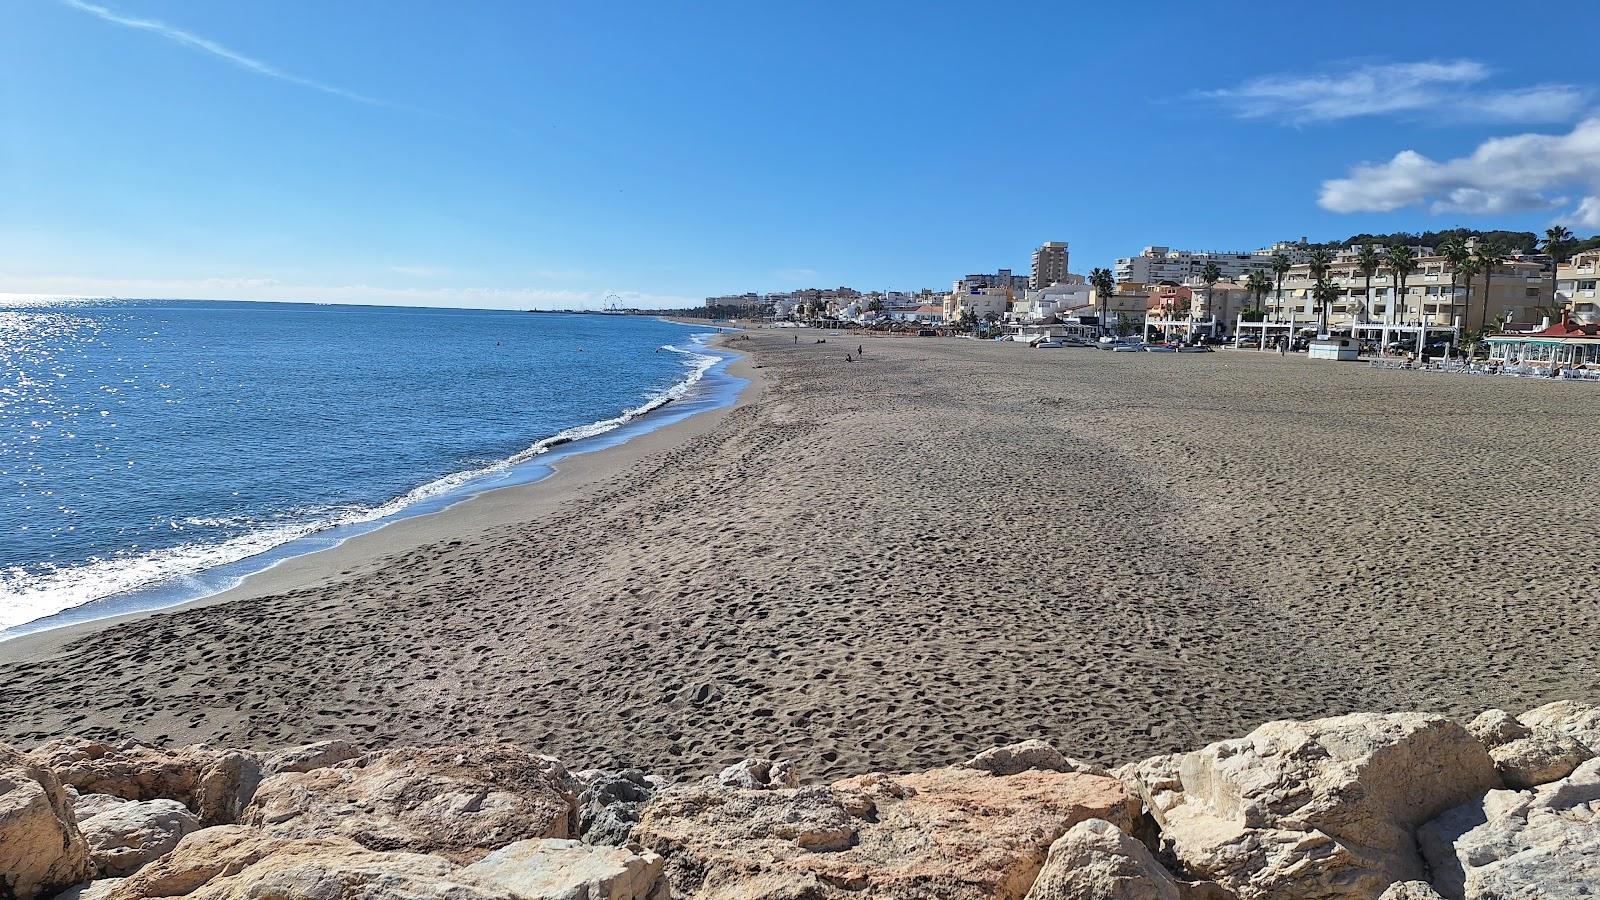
889,563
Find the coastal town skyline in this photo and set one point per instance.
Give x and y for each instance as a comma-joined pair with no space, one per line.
278,161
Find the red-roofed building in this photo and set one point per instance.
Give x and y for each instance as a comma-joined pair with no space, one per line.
1566,344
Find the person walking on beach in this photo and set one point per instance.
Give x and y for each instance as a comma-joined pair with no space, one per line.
858,349
1281,346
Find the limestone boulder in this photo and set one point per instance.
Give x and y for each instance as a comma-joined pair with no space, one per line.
233,862
1410,890
85,806
1324,808
41,850
214,784
953,833
457,802
1156,781
609,804
1543,843
1579,721
1035,754
1096,860
1496,726
1543,756
554,869
124,836
309,756
759,774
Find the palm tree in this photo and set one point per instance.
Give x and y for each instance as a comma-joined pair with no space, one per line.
1456,255
1486,255
1281,264
1319,261
1557,238
1104,286
1257,285
1402,262
1324,293
1210,274
1368,259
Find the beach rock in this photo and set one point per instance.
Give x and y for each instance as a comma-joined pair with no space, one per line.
1540,843
1543,756
1155,781
458,802
309,756
1579,721
124,836
1496,726
1325,808
86,805
759,774
100,889
553,869
609,804
238,863
1410,890
952,833
41,850
1035,754
1095,860
214,784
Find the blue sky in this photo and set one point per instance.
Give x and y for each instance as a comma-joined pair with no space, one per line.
511,154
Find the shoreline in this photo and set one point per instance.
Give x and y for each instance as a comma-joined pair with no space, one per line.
882,564
574,470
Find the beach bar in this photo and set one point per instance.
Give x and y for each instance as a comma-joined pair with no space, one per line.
1564,345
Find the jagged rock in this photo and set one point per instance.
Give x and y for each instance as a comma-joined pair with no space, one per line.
1095,860
1579,721
41,850
309,756
759,774
1155,781
1496,726
1322,809
1541,843
1543,756
955,833
1034,754
609,804
214,784
234,862
86,805
100,889
124,836
554,869
1410,890
457,802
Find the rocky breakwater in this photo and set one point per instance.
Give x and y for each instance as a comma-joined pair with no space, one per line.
1360,806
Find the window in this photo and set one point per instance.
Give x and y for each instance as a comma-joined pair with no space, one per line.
1533,293
1586,284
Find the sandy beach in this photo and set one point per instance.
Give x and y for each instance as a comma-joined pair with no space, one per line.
889,563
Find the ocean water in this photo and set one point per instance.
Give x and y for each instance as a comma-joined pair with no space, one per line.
154,451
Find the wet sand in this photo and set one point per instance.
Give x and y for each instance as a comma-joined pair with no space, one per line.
894,562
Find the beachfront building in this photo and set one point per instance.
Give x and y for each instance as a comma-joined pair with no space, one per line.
1154,265
982,302
1518,289
1000,279
1125,309
1195,309
1576,286
1049,265
1565,345
1059,300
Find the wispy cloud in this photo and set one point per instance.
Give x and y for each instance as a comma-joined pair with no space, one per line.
206,45
1517,173
1450,90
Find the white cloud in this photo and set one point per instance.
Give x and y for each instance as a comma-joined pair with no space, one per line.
207,45
1506,174
1450,89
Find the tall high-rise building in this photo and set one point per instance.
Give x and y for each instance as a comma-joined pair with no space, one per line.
1049,265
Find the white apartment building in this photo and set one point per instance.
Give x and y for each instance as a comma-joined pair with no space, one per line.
1001,279
1158,264
1060,300
1049,265
982,301
1517,289
1576,286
